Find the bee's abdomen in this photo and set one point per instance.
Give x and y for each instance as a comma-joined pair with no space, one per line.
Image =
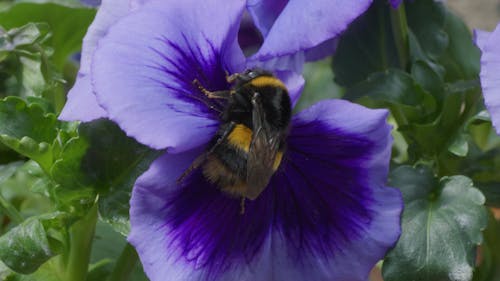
227,165
226,168
220,174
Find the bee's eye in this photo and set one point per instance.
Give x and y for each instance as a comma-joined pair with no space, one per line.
251,74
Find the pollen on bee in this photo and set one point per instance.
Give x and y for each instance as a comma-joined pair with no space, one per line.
277,160
266,81
241,137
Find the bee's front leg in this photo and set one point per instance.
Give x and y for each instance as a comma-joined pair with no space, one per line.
210,94
203,157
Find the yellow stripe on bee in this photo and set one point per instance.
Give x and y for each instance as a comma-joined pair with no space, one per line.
241,137
267,81
277,160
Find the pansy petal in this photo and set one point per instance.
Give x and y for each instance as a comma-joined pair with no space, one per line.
82,104
322,50
135,4
168,224
326,214
303,25
265,13
335,173
481,37
294,83
148,70
147,215
490,80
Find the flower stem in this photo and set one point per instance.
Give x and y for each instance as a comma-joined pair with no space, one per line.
124,265
10,210
80,244
400,31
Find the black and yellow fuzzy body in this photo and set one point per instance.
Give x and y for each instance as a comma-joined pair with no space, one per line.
250,142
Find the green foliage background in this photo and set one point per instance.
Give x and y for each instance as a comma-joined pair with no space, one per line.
64,187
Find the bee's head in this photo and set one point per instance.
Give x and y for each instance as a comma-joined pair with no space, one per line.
250,74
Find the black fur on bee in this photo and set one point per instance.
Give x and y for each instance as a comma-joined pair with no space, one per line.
249,144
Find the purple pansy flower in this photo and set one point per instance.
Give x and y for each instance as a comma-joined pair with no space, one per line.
490,69
326,213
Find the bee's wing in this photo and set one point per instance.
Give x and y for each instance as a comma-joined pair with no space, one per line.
262,153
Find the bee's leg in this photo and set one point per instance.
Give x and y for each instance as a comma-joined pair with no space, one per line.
209,94
230,78
203,157
196,163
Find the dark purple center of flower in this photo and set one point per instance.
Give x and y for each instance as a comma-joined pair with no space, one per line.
318,202
186,64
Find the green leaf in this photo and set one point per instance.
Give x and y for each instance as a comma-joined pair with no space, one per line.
102,159
67,169
19,189
27,129
29,245
5,272
489,259
28,34
426,19
6,171
367,46
430,77
68,24
113,173
462,57
26,61
395,87
460,146
483,167
106,248
441,227
67,3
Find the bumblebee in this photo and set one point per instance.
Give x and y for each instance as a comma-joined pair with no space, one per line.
249,144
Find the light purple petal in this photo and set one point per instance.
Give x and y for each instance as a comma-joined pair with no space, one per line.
303,25
322,50
294,83
265,13
144,70
135,4
326,214
82,104
147,217
481,37
489,75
